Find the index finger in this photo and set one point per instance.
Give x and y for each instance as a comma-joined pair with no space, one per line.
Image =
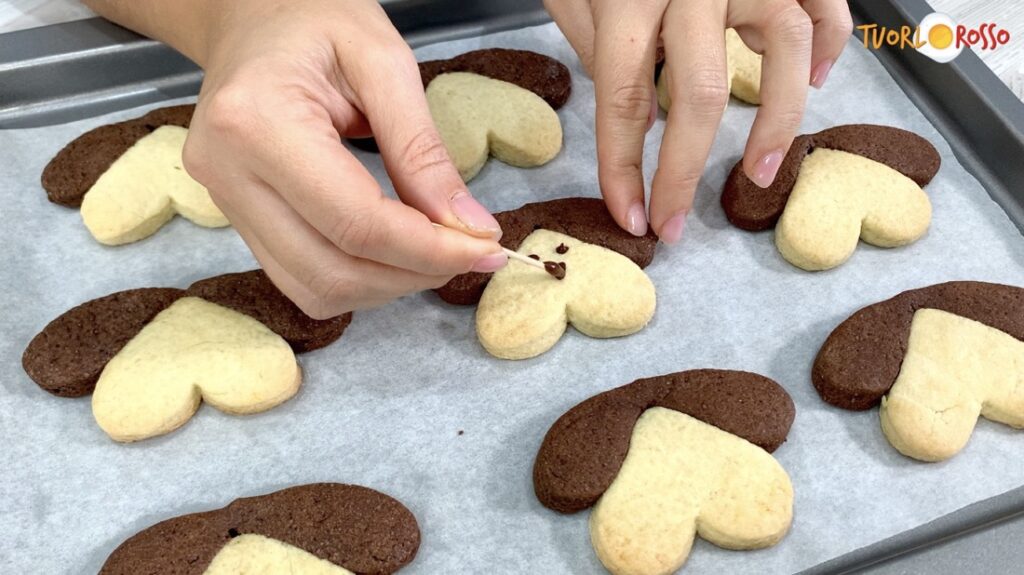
625,43
301,157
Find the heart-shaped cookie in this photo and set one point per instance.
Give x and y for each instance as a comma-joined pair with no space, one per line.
936,358
682,478
193,350
836,187
151,354
540,74
478,116
743,75
129,179
586,219
524,310
667,458
316,529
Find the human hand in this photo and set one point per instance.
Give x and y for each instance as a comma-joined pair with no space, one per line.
283,80
616,41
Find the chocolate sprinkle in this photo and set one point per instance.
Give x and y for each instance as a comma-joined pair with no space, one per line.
555,269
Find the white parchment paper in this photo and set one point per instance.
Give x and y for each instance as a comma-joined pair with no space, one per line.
383,406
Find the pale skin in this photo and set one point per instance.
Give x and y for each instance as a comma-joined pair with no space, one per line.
284,79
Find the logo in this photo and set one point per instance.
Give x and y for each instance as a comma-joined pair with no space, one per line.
938,37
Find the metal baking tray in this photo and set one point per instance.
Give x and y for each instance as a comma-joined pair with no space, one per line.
69,71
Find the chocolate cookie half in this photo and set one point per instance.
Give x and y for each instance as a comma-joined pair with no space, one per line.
68,355
862,357
583,451
353,527
75,169
753,208
586,219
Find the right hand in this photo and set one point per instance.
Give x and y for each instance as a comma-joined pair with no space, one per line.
284,81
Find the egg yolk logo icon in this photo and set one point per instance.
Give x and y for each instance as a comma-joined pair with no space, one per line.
938,37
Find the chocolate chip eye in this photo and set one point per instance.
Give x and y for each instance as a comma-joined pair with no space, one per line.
534,256
232,533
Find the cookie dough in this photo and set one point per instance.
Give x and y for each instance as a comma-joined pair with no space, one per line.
144,188
839,198
327,528
683,477
193,350
954,370
524,310
743,74
478,116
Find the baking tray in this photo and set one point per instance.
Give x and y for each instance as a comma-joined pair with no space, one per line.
70,71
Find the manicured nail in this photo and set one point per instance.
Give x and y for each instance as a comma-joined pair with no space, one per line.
653,113
766,168
491,263
636,219
672,231
820,74
473,215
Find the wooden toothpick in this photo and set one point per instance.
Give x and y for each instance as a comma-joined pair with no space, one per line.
521,258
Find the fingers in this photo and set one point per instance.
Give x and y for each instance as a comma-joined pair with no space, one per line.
298,154
321,279
624,49
832,28
390,89
696,61
575,20
785,31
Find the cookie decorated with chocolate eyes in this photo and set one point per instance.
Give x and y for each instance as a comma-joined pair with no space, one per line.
936,359
667,458
837,187
128,179
150,356
315,529
599,286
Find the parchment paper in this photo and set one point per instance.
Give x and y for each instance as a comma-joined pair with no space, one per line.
383,406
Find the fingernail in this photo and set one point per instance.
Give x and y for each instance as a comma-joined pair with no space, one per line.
820,74
766,168
653,113
672,231
491,263
473,215
636,219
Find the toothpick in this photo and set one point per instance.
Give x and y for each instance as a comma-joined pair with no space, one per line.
521,258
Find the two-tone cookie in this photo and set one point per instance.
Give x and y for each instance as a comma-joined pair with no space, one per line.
128,179
667,458
149,356
935,358
498,102
315,529
602,290
836,187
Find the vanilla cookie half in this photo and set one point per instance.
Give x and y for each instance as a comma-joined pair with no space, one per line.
478,116
743,75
